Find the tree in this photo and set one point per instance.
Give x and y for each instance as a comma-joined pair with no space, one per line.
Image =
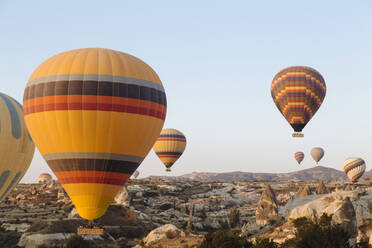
323,234
224,239
234,217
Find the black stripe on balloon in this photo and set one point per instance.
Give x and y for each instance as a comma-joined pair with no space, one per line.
77,164
169,153
172,136
95,88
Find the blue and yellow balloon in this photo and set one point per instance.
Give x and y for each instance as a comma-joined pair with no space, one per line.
16,146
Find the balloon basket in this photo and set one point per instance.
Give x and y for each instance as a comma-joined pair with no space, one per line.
298,135
90,229
168,170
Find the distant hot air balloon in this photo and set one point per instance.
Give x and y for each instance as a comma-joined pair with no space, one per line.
16,146
94,115
45,177
317,153
170,146
354,168
299,156
136,174
298,92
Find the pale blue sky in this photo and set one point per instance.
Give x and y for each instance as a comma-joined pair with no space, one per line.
216,60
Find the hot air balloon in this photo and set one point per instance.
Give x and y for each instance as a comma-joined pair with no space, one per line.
136,174
299,156
170,146
317,153
354,168
298,92
45,177
94,115
16,146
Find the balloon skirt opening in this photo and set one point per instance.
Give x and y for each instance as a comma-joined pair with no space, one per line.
298,135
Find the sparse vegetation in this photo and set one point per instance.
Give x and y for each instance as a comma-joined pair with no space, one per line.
170,235
8,239
309,234
224,239
77,241
234,218
318,234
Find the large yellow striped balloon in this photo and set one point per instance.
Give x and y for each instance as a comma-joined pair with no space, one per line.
94,114
170,146
16,146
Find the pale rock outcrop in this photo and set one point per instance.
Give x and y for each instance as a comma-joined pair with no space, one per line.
346,217
362,201
162,232
267,207
314,207
122,197
23,227
352,209
36,240
321,189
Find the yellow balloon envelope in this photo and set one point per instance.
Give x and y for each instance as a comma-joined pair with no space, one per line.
170,146
16,146
94,114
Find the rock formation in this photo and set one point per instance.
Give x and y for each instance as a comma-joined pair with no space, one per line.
163,232
122,197
267,207
305,191
345,216
321,189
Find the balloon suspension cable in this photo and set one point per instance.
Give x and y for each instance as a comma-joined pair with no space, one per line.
298,135
90,228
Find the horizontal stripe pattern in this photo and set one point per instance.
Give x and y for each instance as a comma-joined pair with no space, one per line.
98,78
298,93
170,146
180,136
299,156
95,88
86,110
106,165
93,155
168,153
354,168
148,111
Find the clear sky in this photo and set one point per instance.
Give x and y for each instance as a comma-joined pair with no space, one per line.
216,60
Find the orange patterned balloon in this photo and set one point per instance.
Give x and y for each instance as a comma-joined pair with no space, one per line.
298,92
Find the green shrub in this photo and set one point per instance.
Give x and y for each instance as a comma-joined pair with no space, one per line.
223,239
170,235
318,234
8,239
364,244
264,243
67,209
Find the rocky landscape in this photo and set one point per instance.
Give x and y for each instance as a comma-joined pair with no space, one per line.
159,213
